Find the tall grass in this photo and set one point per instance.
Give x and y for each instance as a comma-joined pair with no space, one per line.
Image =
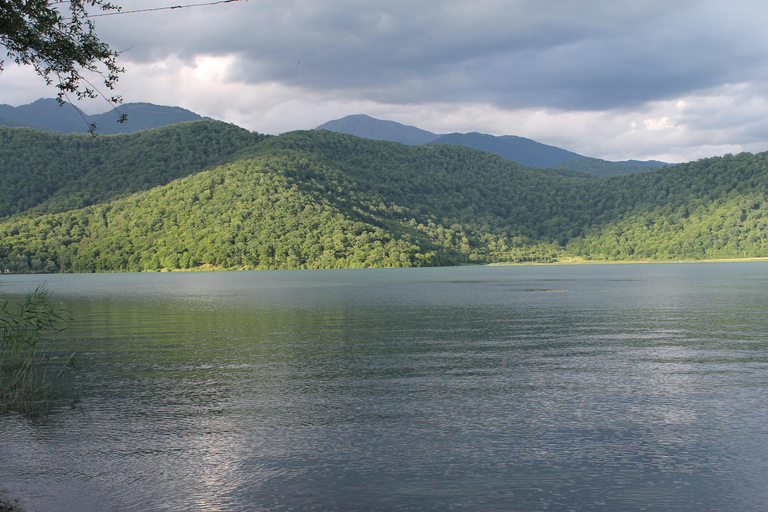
25,351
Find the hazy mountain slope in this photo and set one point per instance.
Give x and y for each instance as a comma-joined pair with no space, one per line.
377,129
651,164
17,124
141,116
53,172
47,114
518,149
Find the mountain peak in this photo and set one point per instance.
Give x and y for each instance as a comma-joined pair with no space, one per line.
362,125
47,114
512,147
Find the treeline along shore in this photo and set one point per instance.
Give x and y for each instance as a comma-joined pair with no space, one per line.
207,194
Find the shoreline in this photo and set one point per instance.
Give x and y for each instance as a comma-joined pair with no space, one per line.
570,261
582,261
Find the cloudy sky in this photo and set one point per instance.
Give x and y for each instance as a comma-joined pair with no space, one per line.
673,80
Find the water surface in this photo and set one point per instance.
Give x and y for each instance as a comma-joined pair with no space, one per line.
600,387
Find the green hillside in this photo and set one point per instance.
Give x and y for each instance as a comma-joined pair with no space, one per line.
712,208
598,167
207,194
48,172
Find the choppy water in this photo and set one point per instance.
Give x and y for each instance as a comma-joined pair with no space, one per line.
605,387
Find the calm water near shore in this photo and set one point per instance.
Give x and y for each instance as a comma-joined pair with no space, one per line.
593,387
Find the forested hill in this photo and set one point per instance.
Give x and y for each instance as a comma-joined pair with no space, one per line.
207,194
599,167
48,172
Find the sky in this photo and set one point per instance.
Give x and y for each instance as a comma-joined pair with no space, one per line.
670,80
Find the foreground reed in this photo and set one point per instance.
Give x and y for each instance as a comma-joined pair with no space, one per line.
25,370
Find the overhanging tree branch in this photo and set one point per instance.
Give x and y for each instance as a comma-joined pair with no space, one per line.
36,33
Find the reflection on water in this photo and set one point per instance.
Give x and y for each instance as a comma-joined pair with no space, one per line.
606,387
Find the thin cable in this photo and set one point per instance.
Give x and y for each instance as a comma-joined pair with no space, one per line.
163,8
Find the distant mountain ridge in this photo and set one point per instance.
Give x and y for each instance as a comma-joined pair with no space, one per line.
48,115
643,163
368,127
524,151
517,149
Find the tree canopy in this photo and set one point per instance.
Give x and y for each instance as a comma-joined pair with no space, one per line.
206,194
60,43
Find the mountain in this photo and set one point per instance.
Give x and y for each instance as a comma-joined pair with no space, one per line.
17,124
518,149
141,116
376,129
47,114
210,195
46,172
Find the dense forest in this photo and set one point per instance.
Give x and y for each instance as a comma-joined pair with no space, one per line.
207,194
44,172
605,168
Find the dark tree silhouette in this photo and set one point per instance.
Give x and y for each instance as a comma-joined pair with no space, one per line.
58,39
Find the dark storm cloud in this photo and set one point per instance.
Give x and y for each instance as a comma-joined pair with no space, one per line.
571,55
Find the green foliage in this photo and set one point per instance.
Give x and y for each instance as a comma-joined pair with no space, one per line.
58,45
598,167
224,198
712,208
446,184
243,215
25,382
44,172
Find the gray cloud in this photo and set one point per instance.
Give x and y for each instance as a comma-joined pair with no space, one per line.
609,78
580,55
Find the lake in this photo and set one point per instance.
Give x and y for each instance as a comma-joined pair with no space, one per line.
583,388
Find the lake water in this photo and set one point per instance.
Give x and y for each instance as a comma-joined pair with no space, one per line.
595,387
